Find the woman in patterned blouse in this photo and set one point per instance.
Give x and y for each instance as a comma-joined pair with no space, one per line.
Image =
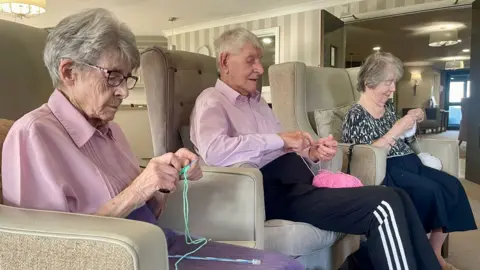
440,199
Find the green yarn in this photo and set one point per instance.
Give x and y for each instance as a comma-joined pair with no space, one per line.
188,238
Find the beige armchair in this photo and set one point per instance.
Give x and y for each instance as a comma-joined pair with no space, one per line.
298,90
173,80
227,204
33,239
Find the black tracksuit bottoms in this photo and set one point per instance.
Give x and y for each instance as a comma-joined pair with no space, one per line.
386,216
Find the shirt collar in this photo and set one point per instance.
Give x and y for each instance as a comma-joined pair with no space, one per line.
232,95
77,127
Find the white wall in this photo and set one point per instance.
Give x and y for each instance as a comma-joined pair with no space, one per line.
135,125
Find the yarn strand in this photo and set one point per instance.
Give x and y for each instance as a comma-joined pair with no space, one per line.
201,241
188,238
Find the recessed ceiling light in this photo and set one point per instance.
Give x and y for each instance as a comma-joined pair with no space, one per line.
459,40
466,50
267,40
376,48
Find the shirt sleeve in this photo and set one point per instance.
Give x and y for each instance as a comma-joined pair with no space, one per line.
31,176
210,134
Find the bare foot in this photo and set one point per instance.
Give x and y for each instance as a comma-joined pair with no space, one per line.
444,264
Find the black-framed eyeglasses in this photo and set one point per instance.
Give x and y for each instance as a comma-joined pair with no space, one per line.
115,78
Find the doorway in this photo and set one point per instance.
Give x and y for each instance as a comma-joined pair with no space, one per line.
458,87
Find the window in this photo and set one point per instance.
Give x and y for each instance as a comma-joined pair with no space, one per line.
468,89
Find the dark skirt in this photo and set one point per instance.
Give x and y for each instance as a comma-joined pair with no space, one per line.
439,198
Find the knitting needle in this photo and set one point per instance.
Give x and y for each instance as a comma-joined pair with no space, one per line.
254,261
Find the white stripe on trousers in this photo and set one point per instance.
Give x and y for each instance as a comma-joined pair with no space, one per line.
389,221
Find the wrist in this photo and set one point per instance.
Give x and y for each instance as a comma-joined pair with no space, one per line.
393,134
139,191
390,139
312,157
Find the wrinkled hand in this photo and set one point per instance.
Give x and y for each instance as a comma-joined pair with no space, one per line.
324,149
419,114
161,173
296,141
186,157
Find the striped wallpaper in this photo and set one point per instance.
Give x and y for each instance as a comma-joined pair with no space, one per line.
299,32
299,36
373,5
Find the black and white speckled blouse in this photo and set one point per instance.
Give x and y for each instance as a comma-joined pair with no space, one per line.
360,127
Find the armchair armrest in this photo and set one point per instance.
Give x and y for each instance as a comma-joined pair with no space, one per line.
445,150
225,205
369,163
36,239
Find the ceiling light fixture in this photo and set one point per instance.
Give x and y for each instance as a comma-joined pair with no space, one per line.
376,48
466,50
454,65
172,46
267,40
427,28
23,8
443,38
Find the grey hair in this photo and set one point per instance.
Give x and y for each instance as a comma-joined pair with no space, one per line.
377,68
85,37
233,40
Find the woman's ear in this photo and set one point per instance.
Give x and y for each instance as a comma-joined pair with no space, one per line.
66,72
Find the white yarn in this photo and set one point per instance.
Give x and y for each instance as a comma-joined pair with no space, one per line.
409,133
430,161
426,158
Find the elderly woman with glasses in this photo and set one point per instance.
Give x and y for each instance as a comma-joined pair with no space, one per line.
69,156
439,198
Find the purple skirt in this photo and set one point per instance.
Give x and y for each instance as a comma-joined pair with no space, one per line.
178,246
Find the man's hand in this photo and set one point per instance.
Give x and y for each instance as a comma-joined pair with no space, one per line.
324,149
419,114
296,141
186,157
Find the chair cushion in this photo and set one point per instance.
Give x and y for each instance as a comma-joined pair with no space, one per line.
329,121
296,238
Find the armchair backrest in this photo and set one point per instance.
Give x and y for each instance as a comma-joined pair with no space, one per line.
173,80
298,90
26,83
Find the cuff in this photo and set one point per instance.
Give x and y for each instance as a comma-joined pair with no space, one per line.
274,141
310,160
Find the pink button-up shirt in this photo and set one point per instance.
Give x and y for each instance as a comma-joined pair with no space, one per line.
53,159
228,128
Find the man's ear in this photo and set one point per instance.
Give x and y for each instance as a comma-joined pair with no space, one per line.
224,61
66,72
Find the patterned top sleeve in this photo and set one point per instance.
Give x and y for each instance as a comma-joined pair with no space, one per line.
359,127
